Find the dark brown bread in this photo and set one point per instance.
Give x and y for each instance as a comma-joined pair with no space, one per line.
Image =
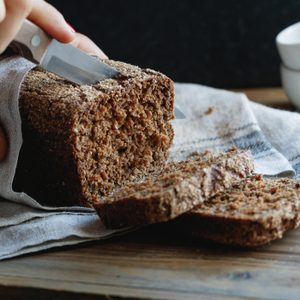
174,191
252,213
81,142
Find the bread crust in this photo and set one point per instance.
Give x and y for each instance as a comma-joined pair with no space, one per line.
82,142
176,190
252,213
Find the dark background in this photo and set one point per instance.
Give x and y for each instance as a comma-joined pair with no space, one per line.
214,42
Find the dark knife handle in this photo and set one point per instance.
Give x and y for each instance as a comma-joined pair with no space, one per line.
31,42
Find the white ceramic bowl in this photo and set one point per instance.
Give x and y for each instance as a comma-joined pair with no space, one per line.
288,45
291,84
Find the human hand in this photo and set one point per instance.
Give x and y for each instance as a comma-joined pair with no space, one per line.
44,15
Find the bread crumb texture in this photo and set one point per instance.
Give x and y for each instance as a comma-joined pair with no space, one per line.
87,140
176,189
253,212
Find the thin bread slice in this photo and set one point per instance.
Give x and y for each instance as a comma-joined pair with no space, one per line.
174,191
252,213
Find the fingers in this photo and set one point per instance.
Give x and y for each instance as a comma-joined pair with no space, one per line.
2,10
3,144
52,21
16,11
40,12
85,44
44,15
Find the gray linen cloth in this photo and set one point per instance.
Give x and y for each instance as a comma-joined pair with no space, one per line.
216,119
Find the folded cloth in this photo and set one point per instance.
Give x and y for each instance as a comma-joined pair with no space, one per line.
25,225
216,119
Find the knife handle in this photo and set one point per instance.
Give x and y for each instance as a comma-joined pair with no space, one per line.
31,42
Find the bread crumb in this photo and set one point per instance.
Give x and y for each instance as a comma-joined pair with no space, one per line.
210,110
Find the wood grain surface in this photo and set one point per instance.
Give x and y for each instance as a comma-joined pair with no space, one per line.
275,97
154,263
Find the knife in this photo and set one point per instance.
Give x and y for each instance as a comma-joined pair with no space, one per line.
64,60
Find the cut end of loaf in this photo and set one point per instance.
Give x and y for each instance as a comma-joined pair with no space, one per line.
93,139
125,136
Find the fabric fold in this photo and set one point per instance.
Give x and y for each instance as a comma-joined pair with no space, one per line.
219,119
25,225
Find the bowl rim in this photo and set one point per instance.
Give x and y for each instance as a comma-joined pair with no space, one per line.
282,37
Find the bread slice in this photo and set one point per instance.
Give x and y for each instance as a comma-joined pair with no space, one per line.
81,142
174,191
252,213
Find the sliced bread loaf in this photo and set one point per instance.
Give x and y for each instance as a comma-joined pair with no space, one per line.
81,142
252,213
174,191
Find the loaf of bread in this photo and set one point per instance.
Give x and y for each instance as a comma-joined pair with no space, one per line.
181,186
82,142
252,213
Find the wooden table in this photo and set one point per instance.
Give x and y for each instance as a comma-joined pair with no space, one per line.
152,264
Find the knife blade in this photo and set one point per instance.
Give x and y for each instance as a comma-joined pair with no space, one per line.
75,65
179,115
62,59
